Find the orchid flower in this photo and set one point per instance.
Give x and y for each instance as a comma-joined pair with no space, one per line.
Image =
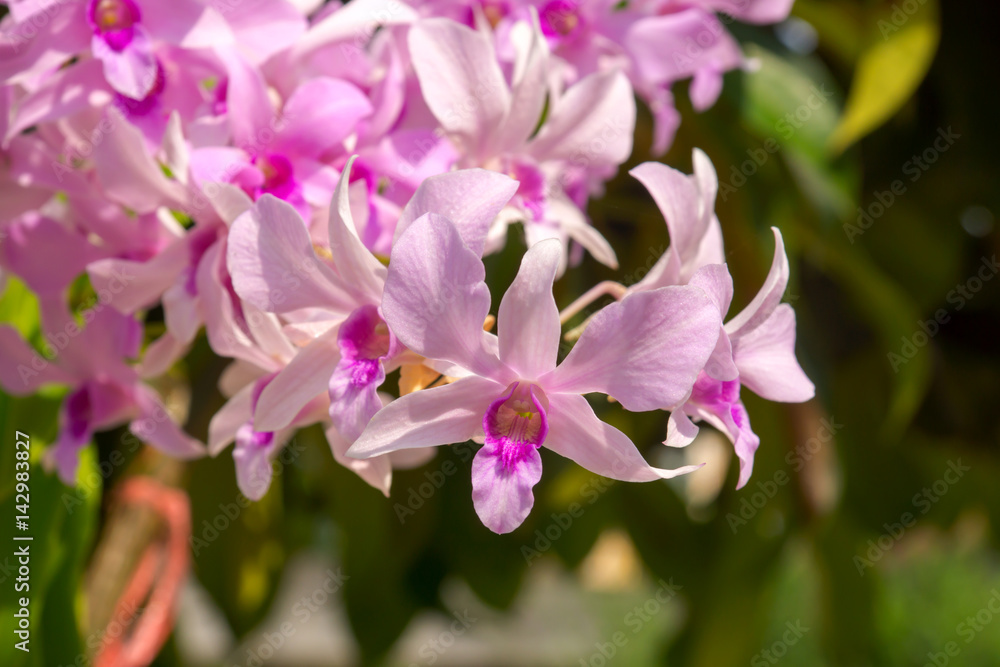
335,292
105,390
587,130
756,348
645,352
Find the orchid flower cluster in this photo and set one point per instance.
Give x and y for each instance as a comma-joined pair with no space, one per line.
315,186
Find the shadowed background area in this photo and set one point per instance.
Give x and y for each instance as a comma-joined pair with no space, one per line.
868,534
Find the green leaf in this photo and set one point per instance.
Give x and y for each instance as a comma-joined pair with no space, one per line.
889,71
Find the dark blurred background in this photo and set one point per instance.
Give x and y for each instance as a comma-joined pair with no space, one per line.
868,534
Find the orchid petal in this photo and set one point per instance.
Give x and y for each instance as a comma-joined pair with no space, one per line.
273,264
501,495
469,198
435,300
645,351
769,296
528,325
361,272
440,416
576,433
767,363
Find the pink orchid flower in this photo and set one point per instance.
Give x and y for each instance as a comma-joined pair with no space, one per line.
587,130
645,352
336,294
106,391
756,348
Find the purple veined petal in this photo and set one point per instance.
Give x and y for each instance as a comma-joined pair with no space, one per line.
766,359
428,418
253,454
769,296
130,70
681,431
365,344
645,351
155,426
435,299
576,433
320,115
469,198
455,64
501,493
528,326
376,471
359,269
598,111
305,377
273,264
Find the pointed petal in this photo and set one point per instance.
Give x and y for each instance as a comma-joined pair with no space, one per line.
769,296
681,431
441,416
236,412
529,86
577,227
645,351
502,496
678,199
435,300
248,106
576,433
273,264
361,271
305,377
767,363
155,426
470,198
715,280
592,124
253,463
461,80
528,326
